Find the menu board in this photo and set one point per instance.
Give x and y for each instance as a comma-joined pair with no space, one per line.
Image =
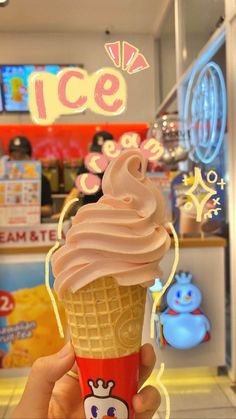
15,84
20,193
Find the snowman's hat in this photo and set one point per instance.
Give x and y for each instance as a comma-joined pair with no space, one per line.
183,277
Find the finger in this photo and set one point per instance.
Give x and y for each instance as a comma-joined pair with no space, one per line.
43,376
67,397
69,384
146,402
147,363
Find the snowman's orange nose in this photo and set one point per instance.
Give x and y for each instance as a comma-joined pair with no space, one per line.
109,417
187,297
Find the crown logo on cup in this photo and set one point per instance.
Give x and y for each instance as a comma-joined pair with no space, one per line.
101,389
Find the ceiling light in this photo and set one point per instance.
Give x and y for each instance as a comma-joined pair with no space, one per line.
3,3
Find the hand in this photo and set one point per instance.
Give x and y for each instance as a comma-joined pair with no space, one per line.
51,393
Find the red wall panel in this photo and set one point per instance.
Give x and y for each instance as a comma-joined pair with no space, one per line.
64,141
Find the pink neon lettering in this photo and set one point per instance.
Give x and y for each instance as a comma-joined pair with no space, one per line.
129,53
88,183
140,63
62,90
111,149
96,162
113,50
101,91
39,96
130,140
152,149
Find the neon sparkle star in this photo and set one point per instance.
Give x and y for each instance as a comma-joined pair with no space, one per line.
198,181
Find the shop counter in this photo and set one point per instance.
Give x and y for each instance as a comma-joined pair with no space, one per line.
22,277
205,259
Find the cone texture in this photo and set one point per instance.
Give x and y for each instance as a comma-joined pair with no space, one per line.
105,319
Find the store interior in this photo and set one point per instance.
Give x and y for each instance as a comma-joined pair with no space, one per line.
182,99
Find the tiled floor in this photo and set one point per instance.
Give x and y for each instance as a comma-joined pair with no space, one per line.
203,397
191,397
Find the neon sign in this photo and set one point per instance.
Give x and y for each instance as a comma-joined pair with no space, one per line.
126,56
205,113
96,163
73,91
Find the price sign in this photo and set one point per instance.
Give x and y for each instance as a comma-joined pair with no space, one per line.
7,303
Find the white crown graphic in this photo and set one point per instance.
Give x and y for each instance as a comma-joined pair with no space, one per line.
101,390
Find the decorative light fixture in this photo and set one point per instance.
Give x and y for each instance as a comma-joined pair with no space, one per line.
205,113
4,3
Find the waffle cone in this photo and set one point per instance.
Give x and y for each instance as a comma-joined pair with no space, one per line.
105,319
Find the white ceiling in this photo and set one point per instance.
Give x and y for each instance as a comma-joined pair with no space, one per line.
131,16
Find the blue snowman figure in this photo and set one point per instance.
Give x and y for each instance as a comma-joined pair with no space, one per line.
184,326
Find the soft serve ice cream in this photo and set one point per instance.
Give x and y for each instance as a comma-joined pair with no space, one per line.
122,235
113,247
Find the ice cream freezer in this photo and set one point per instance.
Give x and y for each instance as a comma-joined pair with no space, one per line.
204,259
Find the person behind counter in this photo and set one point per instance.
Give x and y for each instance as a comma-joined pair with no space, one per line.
19,149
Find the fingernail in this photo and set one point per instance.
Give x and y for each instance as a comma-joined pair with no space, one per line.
65,350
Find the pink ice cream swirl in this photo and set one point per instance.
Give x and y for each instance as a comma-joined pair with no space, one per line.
122,235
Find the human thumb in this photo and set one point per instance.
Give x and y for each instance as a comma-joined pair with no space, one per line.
43,376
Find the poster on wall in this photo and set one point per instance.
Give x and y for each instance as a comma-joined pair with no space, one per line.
20,193
28,328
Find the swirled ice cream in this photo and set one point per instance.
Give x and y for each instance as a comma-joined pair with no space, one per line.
122,235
